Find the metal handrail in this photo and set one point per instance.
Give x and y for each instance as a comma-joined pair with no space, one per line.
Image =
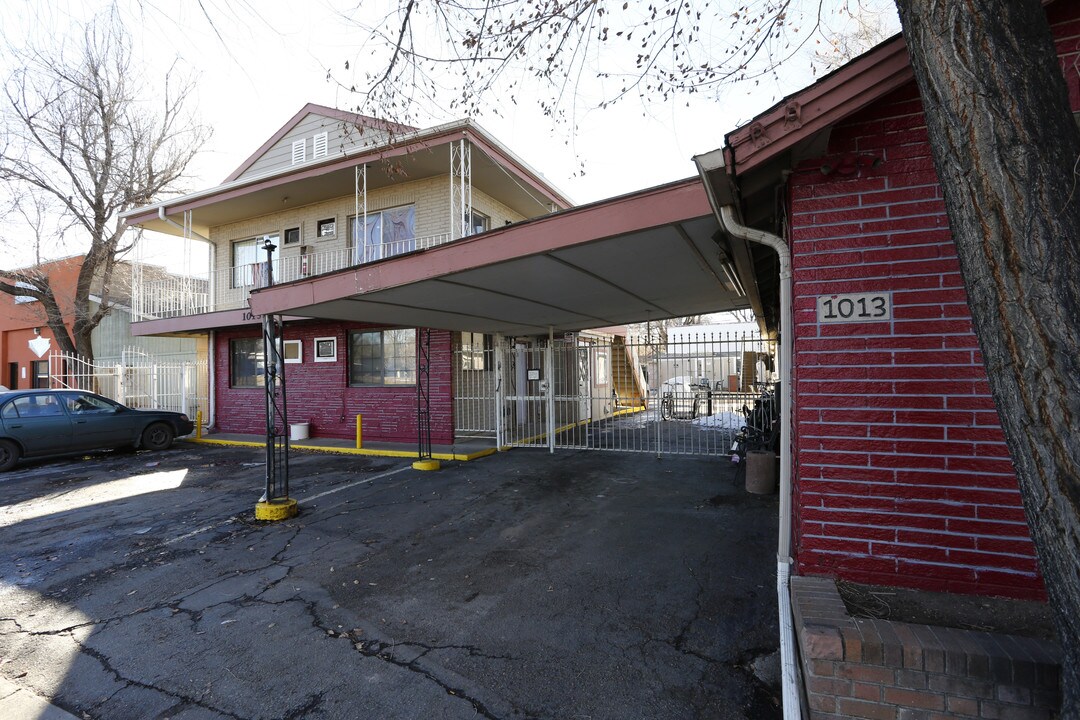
228,288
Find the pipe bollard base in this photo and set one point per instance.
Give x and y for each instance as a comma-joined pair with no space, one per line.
276,509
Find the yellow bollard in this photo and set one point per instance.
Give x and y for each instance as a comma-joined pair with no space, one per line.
359,433
198,425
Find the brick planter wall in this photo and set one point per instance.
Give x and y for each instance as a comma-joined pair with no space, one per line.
887,670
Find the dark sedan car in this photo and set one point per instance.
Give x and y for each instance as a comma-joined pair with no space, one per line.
36,423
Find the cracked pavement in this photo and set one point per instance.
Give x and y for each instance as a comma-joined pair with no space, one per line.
524,585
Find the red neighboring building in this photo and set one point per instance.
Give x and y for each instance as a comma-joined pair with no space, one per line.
25,337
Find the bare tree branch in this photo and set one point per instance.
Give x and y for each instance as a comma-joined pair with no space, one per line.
79,129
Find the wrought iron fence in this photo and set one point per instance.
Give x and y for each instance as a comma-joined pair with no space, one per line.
689,395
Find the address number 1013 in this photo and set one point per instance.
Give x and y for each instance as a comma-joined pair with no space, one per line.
854,307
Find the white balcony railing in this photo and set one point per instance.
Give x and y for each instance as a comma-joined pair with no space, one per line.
228,288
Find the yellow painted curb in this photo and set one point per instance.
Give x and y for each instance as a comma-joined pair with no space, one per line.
426,465
461,457
279,509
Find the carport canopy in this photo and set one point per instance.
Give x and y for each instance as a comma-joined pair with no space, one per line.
650,255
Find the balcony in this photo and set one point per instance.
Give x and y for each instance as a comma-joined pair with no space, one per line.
169,296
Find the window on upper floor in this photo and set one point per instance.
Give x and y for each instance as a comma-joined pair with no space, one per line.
478,223
326,229
382,357
246,366
299,151
389,232
249,267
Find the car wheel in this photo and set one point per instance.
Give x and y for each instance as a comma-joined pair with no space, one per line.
9,455
158,436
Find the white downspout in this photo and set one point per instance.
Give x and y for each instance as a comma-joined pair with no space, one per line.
168,220
791,696
211,379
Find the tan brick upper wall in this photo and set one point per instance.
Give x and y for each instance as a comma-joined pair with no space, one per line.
430,196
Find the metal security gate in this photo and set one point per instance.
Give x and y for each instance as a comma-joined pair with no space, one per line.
684,394
137,379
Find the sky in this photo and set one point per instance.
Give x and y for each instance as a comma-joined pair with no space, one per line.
261,62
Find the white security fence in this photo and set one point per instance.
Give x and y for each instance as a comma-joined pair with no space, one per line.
228,288
685,397
137,380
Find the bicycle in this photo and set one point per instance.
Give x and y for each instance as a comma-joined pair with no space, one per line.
762,429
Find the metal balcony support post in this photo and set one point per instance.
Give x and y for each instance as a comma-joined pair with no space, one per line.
360,238
549,371
423,402
275,503
500,430
460,188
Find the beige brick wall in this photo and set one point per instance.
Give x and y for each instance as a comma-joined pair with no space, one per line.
431,198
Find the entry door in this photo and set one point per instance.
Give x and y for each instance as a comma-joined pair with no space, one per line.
13,376
525,397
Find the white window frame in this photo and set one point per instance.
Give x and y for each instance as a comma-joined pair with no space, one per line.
299,345
299,151
320,224
324,358
477,218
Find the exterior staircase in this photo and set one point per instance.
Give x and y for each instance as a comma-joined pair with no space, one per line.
626,377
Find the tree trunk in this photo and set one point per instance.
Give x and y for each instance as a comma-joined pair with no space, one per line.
1006,149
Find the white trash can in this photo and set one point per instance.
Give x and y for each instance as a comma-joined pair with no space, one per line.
299,431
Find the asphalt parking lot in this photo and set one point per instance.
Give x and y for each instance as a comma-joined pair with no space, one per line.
523,585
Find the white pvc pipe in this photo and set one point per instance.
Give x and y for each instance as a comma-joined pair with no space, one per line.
791,698
211,379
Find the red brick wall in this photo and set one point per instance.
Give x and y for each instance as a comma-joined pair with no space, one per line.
319,393
903,476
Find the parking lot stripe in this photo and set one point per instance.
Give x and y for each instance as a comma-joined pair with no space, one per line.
331,491
214,526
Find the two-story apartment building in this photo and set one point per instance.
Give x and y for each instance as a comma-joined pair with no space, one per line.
332,190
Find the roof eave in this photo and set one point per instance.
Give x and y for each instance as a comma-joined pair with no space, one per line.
802,115
402,143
